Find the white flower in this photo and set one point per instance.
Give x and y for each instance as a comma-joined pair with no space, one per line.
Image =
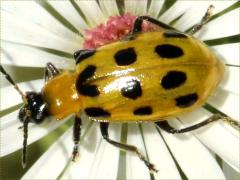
36,32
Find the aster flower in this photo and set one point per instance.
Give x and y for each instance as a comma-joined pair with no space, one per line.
36,32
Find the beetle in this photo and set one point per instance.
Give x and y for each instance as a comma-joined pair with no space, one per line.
145,77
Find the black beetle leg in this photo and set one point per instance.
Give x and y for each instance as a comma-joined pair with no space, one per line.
76,136
80,55
25,137
50,71
203,21
138,23
104,131
165,126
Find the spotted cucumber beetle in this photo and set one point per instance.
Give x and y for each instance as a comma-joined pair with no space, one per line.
147,76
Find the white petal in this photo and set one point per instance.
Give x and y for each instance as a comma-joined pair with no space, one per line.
10,97
109,8
16,54
88,149
136,7
226,102
232,76
95,16
224,25
193,158
217,137
158,153
98,159
229,172
155,8
105,163
230,53
17,29
52,162
130,6
195,12
177,9
135,168
39,16
66,9
11,133
141,8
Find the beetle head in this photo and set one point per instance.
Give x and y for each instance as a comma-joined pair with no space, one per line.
35,109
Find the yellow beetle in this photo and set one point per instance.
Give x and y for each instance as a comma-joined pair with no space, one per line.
146,76
129,81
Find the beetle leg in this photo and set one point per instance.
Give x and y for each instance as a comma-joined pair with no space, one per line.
139,21
50,71
25,137
104,131
203,21
76,136
165,126
80,55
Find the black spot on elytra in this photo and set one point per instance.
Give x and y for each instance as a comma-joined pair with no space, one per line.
168,51
125,57
147,110
174,34
87,73
97,112
81,85
173,79
83,54
132,89
187,100
89,90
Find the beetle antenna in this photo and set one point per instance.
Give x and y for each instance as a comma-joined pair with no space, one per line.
25,136
9,78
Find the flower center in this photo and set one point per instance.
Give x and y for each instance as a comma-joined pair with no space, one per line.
116,28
